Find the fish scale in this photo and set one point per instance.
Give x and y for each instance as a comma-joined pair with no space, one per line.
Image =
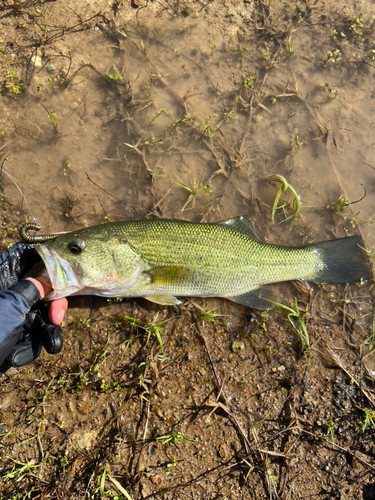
247,263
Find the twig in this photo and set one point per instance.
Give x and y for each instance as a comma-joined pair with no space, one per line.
17,186
159,202
143,437
97,185
106,78
7,144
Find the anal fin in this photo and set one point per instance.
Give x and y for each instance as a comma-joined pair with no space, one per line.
260,298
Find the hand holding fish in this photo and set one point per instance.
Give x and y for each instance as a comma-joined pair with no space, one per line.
26,324
56,308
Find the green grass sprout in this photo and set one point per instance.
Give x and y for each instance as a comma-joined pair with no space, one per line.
193,191
283,189
296,319
175,437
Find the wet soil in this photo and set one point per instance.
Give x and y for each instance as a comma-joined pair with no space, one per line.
119,110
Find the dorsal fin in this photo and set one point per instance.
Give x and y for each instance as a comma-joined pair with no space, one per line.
240,224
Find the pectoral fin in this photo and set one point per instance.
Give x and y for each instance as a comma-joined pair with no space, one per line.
164,300
168,275
163,277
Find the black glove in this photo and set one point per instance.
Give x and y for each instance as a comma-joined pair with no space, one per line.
15,263
22,335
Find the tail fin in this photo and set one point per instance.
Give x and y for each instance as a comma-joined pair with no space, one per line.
345,261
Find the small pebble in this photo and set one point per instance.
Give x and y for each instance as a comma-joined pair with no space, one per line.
237,346
156,479
37,61
186,12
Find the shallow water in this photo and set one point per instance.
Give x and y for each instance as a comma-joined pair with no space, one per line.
179,83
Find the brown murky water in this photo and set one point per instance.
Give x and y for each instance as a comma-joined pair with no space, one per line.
112,120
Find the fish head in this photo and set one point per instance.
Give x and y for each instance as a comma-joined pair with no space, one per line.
92,261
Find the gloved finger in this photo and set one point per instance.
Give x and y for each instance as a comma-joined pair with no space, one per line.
24,352
51,336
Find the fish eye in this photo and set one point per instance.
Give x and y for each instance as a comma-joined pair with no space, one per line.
75,248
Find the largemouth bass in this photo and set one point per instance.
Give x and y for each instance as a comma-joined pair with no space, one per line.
165,259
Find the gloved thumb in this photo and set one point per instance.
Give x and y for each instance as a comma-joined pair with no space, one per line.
50,335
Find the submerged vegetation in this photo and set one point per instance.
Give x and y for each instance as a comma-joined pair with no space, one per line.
279,179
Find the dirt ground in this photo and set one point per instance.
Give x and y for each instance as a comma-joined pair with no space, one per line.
115,110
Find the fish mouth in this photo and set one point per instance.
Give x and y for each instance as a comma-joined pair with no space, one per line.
60,272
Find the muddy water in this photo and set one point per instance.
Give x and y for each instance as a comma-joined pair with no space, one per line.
181,100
